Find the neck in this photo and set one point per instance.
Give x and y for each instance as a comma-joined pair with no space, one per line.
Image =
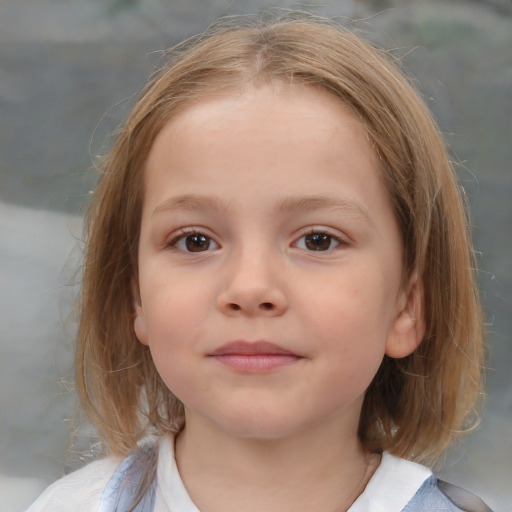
323,469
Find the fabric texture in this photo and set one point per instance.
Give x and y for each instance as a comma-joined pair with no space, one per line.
124,490
436,496
78,491
112,485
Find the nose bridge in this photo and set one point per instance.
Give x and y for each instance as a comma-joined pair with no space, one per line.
252,268
252,282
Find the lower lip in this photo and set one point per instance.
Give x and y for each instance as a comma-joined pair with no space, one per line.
256,363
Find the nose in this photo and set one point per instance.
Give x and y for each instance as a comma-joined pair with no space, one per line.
253,287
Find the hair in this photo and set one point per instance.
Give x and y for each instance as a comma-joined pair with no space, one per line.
415,406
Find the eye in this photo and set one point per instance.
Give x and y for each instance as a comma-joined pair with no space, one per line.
318,241
193,242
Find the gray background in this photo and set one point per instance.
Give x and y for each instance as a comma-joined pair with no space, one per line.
69,71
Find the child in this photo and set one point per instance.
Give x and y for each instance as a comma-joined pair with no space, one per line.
279,284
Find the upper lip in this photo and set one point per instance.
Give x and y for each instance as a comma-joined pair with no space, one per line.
250,348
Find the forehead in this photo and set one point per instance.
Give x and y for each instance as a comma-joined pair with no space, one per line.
262,158
262,124
256,149
262,100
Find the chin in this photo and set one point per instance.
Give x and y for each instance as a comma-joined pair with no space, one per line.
262,428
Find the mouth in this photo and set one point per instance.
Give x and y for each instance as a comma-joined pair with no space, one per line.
254,357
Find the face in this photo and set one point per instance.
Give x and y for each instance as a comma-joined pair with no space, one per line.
269,263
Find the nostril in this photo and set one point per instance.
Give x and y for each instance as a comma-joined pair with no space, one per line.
235,307
267,306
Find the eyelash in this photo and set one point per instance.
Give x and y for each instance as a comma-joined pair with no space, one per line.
318,231
185,233
182,236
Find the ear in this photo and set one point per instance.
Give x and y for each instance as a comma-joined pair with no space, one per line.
408,328
139,321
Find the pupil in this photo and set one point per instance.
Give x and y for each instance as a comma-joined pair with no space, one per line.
318,241
197,243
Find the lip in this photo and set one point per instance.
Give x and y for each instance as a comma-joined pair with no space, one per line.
254,357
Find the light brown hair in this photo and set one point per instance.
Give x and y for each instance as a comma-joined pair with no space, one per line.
415,406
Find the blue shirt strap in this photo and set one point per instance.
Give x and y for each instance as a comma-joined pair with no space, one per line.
132,487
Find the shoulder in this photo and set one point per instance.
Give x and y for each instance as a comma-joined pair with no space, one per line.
80,490
400,485
437,495
393,485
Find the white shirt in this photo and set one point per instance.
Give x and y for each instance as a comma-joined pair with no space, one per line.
391,487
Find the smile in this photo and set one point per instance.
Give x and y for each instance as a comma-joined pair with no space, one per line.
254,357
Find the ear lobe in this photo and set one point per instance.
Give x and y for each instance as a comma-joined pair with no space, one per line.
408,329
139,326
139,321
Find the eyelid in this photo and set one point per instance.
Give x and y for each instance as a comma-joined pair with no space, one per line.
182,233
333,232
340,238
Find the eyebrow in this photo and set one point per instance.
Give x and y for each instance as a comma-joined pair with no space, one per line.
199,202
323,202
192,202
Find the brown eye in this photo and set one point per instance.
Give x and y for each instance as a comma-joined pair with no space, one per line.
193,242
197,242
318,242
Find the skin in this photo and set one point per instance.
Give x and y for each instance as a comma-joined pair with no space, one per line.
249,176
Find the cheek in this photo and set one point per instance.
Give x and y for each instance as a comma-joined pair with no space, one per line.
175,316
170,305
353,308
352,357
351,323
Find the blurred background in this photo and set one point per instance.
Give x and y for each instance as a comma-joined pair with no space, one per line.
69,72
